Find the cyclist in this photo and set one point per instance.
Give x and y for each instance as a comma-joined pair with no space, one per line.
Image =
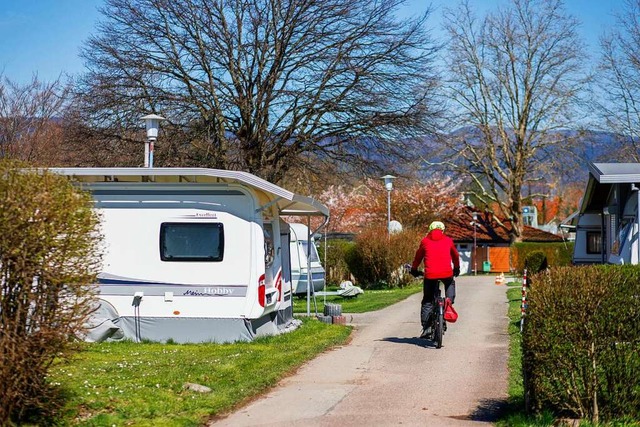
438,253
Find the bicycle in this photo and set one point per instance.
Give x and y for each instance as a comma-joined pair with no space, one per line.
437,323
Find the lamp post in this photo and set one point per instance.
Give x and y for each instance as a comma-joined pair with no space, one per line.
152,122
475,252
388,184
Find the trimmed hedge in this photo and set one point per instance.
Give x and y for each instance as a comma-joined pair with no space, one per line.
581,340
535,262
557,254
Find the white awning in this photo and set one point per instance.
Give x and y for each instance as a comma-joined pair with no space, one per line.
288,203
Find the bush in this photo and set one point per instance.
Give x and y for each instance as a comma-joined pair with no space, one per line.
335,265
376,261
558,254
48,240
535,262
581,340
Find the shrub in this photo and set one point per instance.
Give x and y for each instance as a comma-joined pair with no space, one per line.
48,240
335,265
376,261
581,340
558,254
535,262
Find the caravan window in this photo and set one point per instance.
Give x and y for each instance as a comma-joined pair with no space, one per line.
191,241
269,251
314,252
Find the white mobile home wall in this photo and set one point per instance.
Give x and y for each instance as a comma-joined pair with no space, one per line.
609,212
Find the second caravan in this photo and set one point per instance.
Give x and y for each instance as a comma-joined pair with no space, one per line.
302,244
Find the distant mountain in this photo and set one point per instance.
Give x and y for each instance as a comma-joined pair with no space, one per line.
570,159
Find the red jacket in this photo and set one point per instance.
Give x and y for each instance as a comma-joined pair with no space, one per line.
438,252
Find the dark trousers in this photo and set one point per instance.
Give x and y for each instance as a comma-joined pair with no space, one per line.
429,288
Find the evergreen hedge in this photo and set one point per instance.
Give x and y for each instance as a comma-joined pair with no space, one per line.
535,262
557,254
581,342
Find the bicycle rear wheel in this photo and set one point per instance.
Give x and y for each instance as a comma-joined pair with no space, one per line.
439,327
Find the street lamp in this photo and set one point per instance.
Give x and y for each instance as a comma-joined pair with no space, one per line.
475,252
152,122
388,184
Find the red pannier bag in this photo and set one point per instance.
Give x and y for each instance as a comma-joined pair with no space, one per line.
450,313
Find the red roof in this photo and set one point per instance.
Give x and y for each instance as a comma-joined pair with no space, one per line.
489,231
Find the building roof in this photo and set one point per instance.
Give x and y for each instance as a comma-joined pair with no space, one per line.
490,232
615,172
601,177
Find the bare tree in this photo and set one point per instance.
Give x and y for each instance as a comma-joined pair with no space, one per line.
253,84
30,127
514,80
620,80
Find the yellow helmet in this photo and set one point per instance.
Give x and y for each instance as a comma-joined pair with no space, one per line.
436,224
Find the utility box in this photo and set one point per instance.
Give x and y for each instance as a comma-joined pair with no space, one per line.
486,266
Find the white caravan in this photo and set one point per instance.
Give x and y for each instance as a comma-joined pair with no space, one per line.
303,243
192,255
608,225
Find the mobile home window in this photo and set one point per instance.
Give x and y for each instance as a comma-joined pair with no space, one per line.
203,242
594,242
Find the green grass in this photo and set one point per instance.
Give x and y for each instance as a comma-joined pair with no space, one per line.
371,300
515,414
516,388
142,384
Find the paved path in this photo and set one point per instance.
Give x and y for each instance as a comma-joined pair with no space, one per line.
386,376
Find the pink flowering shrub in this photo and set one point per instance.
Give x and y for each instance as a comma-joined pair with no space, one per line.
362,210
413,204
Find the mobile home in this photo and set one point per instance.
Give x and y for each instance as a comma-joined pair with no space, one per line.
304,255
607,225
192,255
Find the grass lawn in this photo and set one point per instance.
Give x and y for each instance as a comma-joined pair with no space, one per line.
369,301
142,384
516,415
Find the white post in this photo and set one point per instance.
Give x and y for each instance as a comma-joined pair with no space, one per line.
308,265
146,153
475,245
389,214
523,304
151,141
152,122
388,184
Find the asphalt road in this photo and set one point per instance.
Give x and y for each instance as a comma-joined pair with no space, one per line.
387,376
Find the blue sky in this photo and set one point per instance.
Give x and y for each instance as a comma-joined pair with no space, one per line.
43,37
